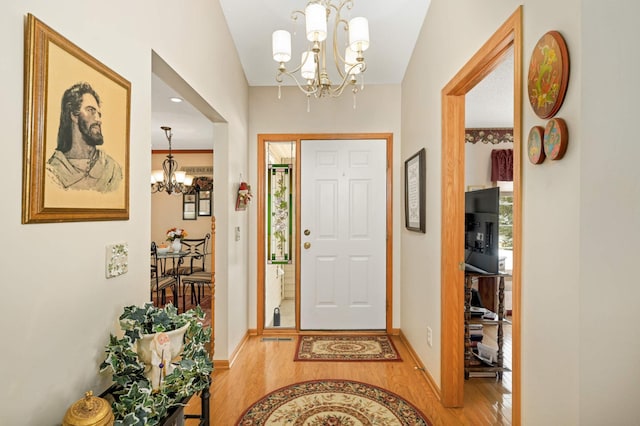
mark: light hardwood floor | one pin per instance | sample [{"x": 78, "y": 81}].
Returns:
[{"x": 263, "y": 366}]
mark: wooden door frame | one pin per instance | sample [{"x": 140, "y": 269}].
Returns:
[
  {"x": 452, "y": 272},
  {"x": 261, "y": 198}
]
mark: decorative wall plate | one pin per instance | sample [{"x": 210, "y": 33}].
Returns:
[
  {"x": 548, "y": 74},
  {"x": 534, "y": 145},
  {"x": 555, "y": 138}
]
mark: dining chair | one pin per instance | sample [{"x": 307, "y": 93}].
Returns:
[
  {"x": 194, "y": 260},
  {"x": 196, "y": 282},
  {"x": 160, "y": 282}
]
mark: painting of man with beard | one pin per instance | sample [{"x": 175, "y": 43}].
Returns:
[{"x": 78, "y": 163}]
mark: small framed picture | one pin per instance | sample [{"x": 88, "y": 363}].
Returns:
[
  {"x": 414, "y": 192},
  {"x": 204, "y": 203},
  {"x": 189, "y": 202}
]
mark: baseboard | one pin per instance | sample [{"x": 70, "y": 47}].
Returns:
[
  {"x": 420, "y": 366},
  {"x": 220, "y": 364},
  {"x": 224, "y": 364}
]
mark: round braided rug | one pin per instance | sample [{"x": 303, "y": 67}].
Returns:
[{"x": 334, "y": 403}]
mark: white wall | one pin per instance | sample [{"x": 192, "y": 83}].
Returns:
[
  {"x": 57, "y": 306},
  {"x": 466, "y": 26},
  {"x": 377, "y": 111},
  {"x": 478, "y": 162},
  {"x": 580, "y": 213},
  {"x": 609, "y": 214}
]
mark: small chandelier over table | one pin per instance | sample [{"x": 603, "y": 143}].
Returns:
[
  {"x": 313, "y": 64},
  {"x": 170, "y": 179}
]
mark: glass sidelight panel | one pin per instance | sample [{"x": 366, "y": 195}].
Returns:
[
  {"x": 280, "y": 269},
  {"x": 279, "y": 214}
]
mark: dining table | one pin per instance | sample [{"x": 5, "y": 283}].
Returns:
[{"x": 177, "y": 259}]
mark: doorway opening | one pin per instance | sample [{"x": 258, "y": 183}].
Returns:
[
  {"x": 279, "y": 233},
  {"x": 280, "y": 269},
  {"x": 195, "y": 125},
  {"x": 490, "y": 55}
]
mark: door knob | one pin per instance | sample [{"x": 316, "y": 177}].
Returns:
[{"x": 307, "y": 245}]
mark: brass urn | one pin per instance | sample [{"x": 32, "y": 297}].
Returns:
[{"x": 89, "y": 411}]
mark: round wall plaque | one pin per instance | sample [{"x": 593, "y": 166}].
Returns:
[
  {"x": 534, "y": 145},
  {"x": 556, "y": 138},
  {"x": 548, "y": 74}
]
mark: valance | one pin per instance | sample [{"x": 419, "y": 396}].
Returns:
[
  {"x": 502, "y": 165},
  {"x": 488, "y": 135}
]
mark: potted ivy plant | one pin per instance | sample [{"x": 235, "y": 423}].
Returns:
[{"x": 136, "y": 399}]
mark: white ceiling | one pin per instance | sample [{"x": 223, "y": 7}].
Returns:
[
  {"x": 393, "y": 27},
  {"x": 190, "y": 128},
  {"x": 490, "y": 102}
]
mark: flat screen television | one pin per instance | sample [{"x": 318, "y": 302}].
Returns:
[{"x": 481, "y": 246}]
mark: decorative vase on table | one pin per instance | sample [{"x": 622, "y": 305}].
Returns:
[{"x": 176, "y": 245}]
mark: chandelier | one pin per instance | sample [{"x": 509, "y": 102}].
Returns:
[
  {"x": 312, "y": 68},
  {"x": 170, "y": 179}
]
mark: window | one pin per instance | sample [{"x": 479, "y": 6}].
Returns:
[
  {"x": 505, "y": 219},
  {"x": 505, "y": 228}
]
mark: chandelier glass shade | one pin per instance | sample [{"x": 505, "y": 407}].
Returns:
[
  {"x": 170, "y": 179},
  {"x": 349, "y": 61}
]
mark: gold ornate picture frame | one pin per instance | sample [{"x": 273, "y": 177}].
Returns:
[{"x": 76, "y": 133}]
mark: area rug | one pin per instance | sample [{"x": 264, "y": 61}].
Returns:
[
  {"x": 334, "y": 403},
  {"x": 346, "y": 348}
]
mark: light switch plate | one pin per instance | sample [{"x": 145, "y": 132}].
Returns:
[{"x": 117, "y": 260}]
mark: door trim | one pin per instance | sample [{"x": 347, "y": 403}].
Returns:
[
  {"x": 452, "y": 202},
  {"x": 261, "y": 230}
]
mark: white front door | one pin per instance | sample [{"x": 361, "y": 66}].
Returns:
[{"x": 343, "y": 225}]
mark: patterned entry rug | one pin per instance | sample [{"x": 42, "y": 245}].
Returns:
[
  {"x": 346, "y": 348},
  {"x": 334, "y": 403}
]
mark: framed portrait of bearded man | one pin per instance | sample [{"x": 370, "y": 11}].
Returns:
[{"x": 76, "y": 133}]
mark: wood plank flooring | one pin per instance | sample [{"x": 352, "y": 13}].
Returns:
[{"x": 263, "y": 366}]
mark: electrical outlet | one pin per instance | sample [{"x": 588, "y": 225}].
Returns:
[{"x": 429, "y": 336}]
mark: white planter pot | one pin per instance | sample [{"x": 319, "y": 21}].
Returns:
[{"x": 157, "y": 351}]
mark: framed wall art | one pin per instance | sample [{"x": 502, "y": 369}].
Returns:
[
  {"x": 204, "y": 187},
  {"x": 76, "y": 133},
  {"x": 548, "y": 74},
  {"x": 556, "y": 138},
  {"x": 189, "y": 202},
  {"x": 414, "y": 192},
  {"x": 204, "y": 203},
  {"x": 535, "y": 150}
]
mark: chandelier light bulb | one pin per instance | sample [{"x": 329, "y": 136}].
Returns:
[
  {"x": 316, "y": 22},
  {"x": 308, "y": 70},
  {"x": 359, "y": 34},
  {"x": 281, "y": 46},
  {"x": 180, "y": 175},
  {"x": 351, "y": 59}
]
